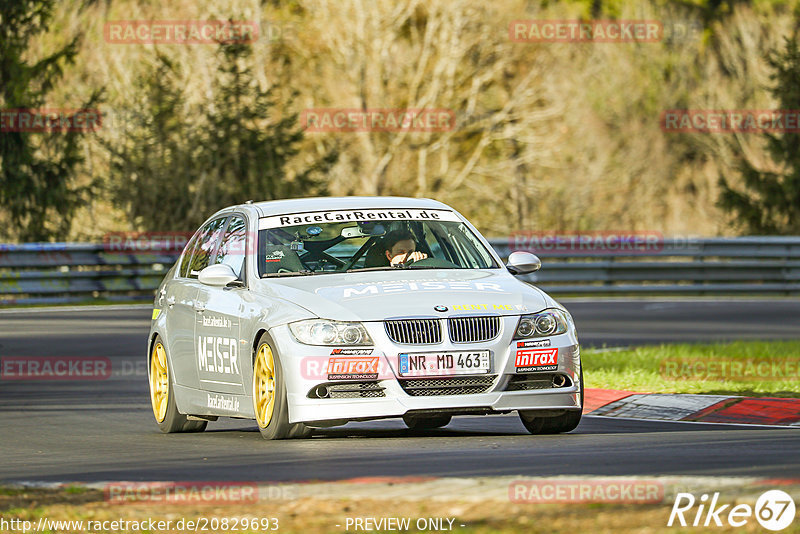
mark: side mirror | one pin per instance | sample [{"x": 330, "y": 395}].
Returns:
[
  {"x": 523, "y": 263},
  {"x": 219, "y": 275}
]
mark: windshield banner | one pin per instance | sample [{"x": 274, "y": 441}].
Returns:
[{"x": 370, "y": 215}]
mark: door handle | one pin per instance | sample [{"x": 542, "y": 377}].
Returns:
[
  {"x": 170, "y": 301},
  {"x": 198, "y": 307}
]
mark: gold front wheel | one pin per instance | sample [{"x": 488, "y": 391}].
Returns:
[
  {"x": 159, "y": 382},
  {"x": 264, "y": 385}
]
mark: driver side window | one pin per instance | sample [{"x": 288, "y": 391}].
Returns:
[
  {"x": 204, "y": 248},
  {"x": 233, "y": 247}
]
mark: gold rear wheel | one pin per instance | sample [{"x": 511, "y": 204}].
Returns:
[
  {"x": 264, "y": 385},
  {"x": 159, "y": 382}
]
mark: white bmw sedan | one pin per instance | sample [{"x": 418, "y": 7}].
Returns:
[{"x": 311, "y": 313}]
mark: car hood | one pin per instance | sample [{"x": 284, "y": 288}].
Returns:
[{"x": 377, "y": 295}]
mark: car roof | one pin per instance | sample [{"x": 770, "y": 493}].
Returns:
[{"x": 300, "y": 205}]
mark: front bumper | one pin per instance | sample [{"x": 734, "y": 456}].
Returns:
[{"x": 305, "y": 369}]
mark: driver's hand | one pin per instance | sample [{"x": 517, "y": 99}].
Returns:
[{"x": 407, "y": 257}]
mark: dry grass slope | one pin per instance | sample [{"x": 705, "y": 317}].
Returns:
[{"x": 561, "y": 136}]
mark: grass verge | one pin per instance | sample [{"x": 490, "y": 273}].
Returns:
[
  {"x": 749, "y": 368},
  {"x": 310, "y": 515}
]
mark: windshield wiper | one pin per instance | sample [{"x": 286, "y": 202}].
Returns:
[
  {"x": 291, "y": 273},
  {"x": 386, "y": 268}
]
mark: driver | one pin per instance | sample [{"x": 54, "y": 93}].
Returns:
[{"x": 400, "y": 247}]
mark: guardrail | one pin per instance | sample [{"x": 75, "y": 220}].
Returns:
[
  {"x": 42, "y": 273},
  {"x": 59, "y": 273},
  {"x": 715, "y": 266}
]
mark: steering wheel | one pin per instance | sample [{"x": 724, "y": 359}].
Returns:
[{"x": 408, "y": 261}]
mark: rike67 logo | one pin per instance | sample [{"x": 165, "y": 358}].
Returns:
[{"x": 774, "y": 510}]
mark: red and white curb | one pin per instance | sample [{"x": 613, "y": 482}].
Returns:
[{"x": 695, "y": 408}]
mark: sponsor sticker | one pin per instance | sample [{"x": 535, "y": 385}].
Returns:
[
  {"x": 382, "y": 288},
  {"x": 216, "y": 322},
  {"x": 223, "y": 402},
  {"x": 274, "y": 256},
  {"x": 530, "y": 360},
  {"x": 316, "y": 217},
  {"x": 533, "y": 343},
  {"x": 351, "y": 352},
  {"x": 218, "y": 355},
  {"x": 353, "y": 368}
]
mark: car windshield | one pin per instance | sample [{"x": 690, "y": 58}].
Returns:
[{"x": 360, "y": 240}]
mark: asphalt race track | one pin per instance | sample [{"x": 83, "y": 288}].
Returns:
[{"x": 103, "y": 430}]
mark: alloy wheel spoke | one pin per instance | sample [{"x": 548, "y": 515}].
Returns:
[{"x": 159, "y": 382}]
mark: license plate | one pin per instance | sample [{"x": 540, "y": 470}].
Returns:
[{"x": 474, "y": 362}]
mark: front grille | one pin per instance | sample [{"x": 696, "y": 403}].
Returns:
[
  {"x": 432, "y": 387},
  {"x": 414, "y": 331},
  {"x": 525, "y": 382},
  {"x": 473, "y": 329}
]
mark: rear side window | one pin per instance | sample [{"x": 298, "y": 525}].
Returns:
[{"x": 204, "y": 247}]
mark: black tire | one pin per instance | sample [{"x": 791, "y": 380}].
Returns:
[
  {"x": 417, "y": 422},
  {"x": 173, "y": 421},
  {"x": 566, "y": 422},
  {"x": 277, "y": 424}
]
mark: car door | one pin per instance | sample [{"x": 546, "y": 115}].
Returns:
[
  {"x": 177, "y": 298},
  {"x": 218, "y": 320},
  {"x": 181, "y": 298}
]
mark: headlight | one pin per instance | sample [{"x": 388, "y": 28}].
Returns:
[
  {"x": 546, "y": 323},
  {"x": 325, "y": 332}
]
